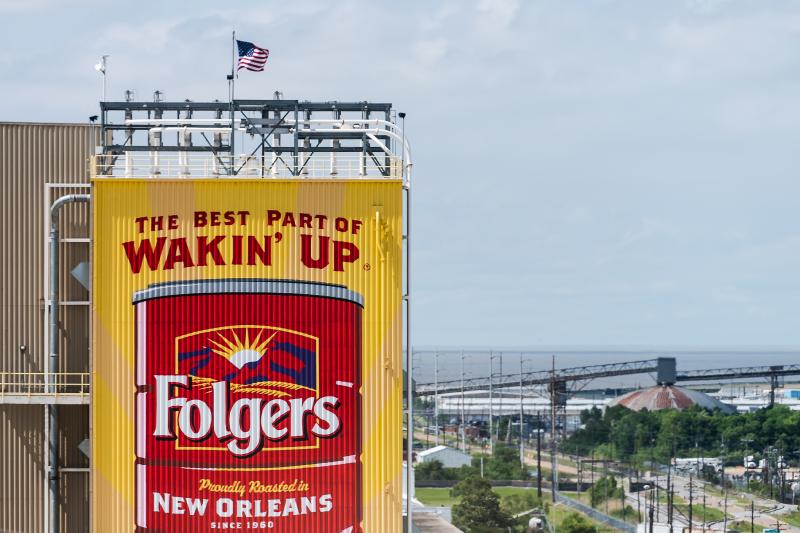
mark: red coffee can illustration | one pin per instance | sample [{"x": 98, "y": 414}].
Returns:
[{"x": 248, "y": 406}]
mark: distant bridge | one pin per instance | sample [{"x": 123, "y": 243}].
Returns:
[{"x": 665, "y": 369}]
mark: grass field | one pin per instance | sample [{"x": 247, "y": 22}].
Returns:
[
  {"x": 508, "y": 491},
  {"x": 436, "y": 497},
  {"x": 744, "y": 526},
  {"x": 712, "y": 514},
  {"x": 711, "y": 490},
  {"x": 629, "y": 514},
  {"x": 560, "y": 512},
  {"x": 614, "y": 504},
  {"x": 582, "y": 497},
  {"x": 791, "y": 518}
]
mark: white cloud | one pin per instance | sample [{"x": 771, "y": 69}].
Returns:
[
  {"x": 706, "y": 7},
  {"x": 734, "y": 48},
  {"x": 499, "y": 14},
  {"x": 430, "y": 52}
]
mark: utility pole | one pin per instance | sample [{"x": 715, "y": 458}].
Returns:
[
  {"x": 605, "y": 485},
  {"x": 658, "y": 499},
  {"x": 553, "y": 448},
  {"x": 622, "y": 494},
  {"x": 725, "y": 510},
  {"x": 638, "y": 502},
  {"x": 773, "y": 384},
  {"x": 724, "y": 485},
  {"x": 521, "y": 419},
  {"x": 491, "y": 402},
  {"x": 669, "y": 493},
  {"x": 539, "y": 454},
  {"x": 497, "y": 426},
  {"x": 436, "y": 395},
  {"x": 752, "y": 516},
  {"x": 691, "y": 501},
  {"x": 704, "y": 509},
  {"x": 670, "y": 483},
  {"x": 463, "y": 426},
  {"x": 592, "y": 498},
  {"x": 428, "y": 431}
]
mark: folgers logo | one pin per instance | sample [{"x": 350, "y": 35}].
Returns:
[
  {"x": 274, "y": 379},
  {"x": 248, "y": 406}
]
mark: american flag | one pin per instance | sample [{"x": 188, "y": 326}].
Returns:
[{"x": 251, "y": 56}]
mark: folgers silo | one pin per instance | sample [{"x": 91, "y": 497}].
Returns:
[{"x": 248, "y": 406}]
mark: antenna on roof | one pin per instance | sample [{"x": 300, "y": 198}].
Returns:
[{"x": 101, "y": 67}]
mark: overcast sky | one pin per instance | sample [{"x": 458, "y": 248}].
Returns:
[{"x": 587, "y": 172}]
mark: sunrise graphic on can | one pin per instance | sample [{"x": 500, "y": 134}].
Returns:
[{"x": 248, "y": 406}]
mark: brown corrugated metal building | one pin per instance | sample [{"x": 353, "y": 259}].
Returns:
[{"x": 38, "y": 162}]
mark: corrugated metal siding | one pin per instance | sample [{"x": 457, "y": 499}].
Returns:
[
  {"x": 21, "y": 467},
  {"x": 74, "y": 486},
  {"x": 32, "y": 155}
]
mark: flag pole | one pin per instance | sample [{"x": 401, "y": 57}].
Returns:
[{"x": 231, "y": 92}]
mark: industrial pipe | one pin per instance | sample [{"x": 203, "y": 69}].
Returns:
[
  {"x": 409, "y": 356},
  {"x": 52, "y": 366}
]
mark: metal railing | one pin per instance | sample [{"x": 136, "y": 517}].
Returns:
[
  {"x": 32, "y": 384},
  {"x": 204, "y": 165}
]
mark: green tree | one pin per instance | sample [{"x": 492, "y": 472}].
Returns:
[
  {"x": 503, "y": 464},
  {"x": 595, "y": 429},
  {"x": 605, "y": 487},
  {"x": 576, "y": 523},
  {"x": 517, "y": 503},
  {"x": 479, "y": 509},
  {"x": 432, "y": 470},
  {"x": 645, "y": 435}
]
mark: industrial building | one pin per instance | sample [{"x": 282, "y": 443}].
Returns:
[
  {"x": 449, "y": 457},
  {"x": 669, "y": 396},
  {"x": 40, "y": 162},
  {"x": 45, "y": 483}
]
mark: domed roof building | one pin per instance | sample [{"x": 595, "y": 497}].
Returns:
[{"x": 669, "y": 396}]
